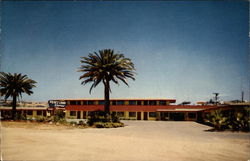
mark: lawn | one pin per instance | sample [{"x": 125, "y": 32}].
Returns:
[{"x": 138, "y": 140}]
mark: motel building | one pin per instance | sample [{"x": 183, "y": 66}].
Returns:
[
  {"x": 28, "y": 109},
  {"x": 132, "y": 109}
]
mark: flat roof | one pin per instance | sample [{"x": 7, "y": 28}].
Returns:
[
  {"x": 23, "y": 108},
  {"x": 118, "y": 99},
  {"x": 179, "y": 110},
  {"x": 237, "y": 104}
]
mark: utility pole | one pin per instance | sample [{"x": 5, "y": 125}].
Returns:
[
  {"x": 242, "y": 96},
  {"x": 241, "y": 88},
  {"x": 216, "y": 98}
]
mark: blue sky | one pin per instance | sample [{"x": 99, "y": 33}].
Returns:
[{"x": 181, "y": 50}]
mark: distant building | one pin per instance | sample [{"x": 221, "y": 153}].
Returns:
[
  {"x": 131, "y": 109},
  {"x": 128, "y": 109},
  {"x": 29, "y": 109}
]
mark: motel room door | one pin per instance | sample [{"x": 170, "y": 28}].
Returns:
[
  {"x": 78, "y": 114},
  {"x": 138, "y": 115},
  {"x": 145, "y": 116}
]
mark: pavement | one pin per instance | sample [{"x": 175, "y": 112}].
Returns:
[{"x": 138, "y": 140}]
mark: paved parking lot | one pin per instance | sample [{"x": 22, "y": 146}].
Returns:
[{"x": 138, "y": 140}]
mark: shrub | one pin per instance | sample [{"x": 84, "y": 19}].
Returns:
[
  {"x": 62, "y": 121},
  {"x": 73, "y": 122},
  {"x": 115, "y": 118},
  {"x": 234, "y": 120},
  {"x": 60, "y": 113},
  {"x": 102, "y": 120},
  {"x": 40, "y": 119},
  {"x": 99, "y": 124},
  {"x": 6, "y": 116},
  {"x": 120, "y": 124},
  {"x": 82, "y": 123},
  {"x": 20, "y": 116},
  {"x": 48, "y": 119},
  {"x": 217, "y": 119},
  {"x": 239, "y": 121},
  {"x": 108, "y": 125},
  {"x": 59, "y": 116},
  {"x": 98, "y": 116}
]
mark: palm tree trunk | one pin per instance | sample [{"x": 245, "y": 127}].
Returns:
[
  {"x": 106, "y": 95},
  {"x": 14, "y": 107}
]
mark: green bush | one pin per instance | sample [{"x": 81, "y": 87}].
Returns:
[
  {"x": 235, "y": 120},
  {"x": 59, "y": 116},
  {"x": 6, "y": 116},
  {"x": 101, "y": 116},
  {"x": 62, "y": 121},
  {"x": 240, "y": 121},
  {"x": 73, "y": 122},
  {"x": 20, "y": 116},
  {"x": 115, "y": 118},
  {"x": 120, "y": 124},
  {"x": 40, "y": 119},
  {"x": 97, "y": 116},
  {"x": 218, "y": 120},
  {"x": 108, "y": 125},
  {"x": 48, "y": 119},
  {"x": 82, "y": 123},
  {"x": 102, "y": 120}
]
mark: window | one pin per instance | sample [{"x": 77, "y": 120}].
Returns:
[
  {"x": 152, "y": 102},
  {"x": 192, "y": 115},
  {"x": 152, "y": 114},
  {"x": 90, "y": 113},
  {"x": 132, "y": 114},
  {"x": 120, "y": 114},
  {"x": 84, "y": 102},
  {"x": 78, "y": 102},
  {"x": 138, "y": 102},
  {"x": 113, "y": 102},
  {"x": 120, "y": 102},
  {"x": 90, "y": 102},
  {"x": 145, "y": 102},
  {"x": 162, "y": 102},
  {"x": 72, "y": 113},
  {"x": 30, "y": 112},
  {"x": 101, "y": 102},
  {"x": 72, "y": 102},
  {"x": 132, "y": 102},
  {"x": 39, "y": 112}
]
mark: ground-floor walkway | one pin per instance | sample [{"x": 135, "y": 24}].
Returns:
[{"x": 139, "y": 140}]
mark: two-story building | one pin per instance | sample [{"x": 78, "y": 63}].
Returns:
[{"x": 132, "y": 109}]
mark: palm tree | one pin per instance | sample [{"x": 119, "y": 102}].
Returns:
[
  {"x": 217, "y": 119},
  {"x": 105, "y": 67},
  {"x": 13, "y": 86}
]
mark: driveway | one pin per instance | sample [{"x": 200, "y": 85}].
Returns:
[{"x": 138, "y": 140}]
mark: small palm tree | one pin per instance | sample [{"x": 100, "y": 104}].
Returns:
[
  {"x": 217, "y": 119},
  {"x": 13, "y": 86},
  {"x": 105, "y": 67}
]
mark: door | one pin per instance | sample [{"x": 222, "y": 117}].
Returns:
[
  {"x": 84, "y": 114},
  {"x": 138, "y": 115},
  {"x": 78, "y": 114},
  {"x": 145, "y": 116}
]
